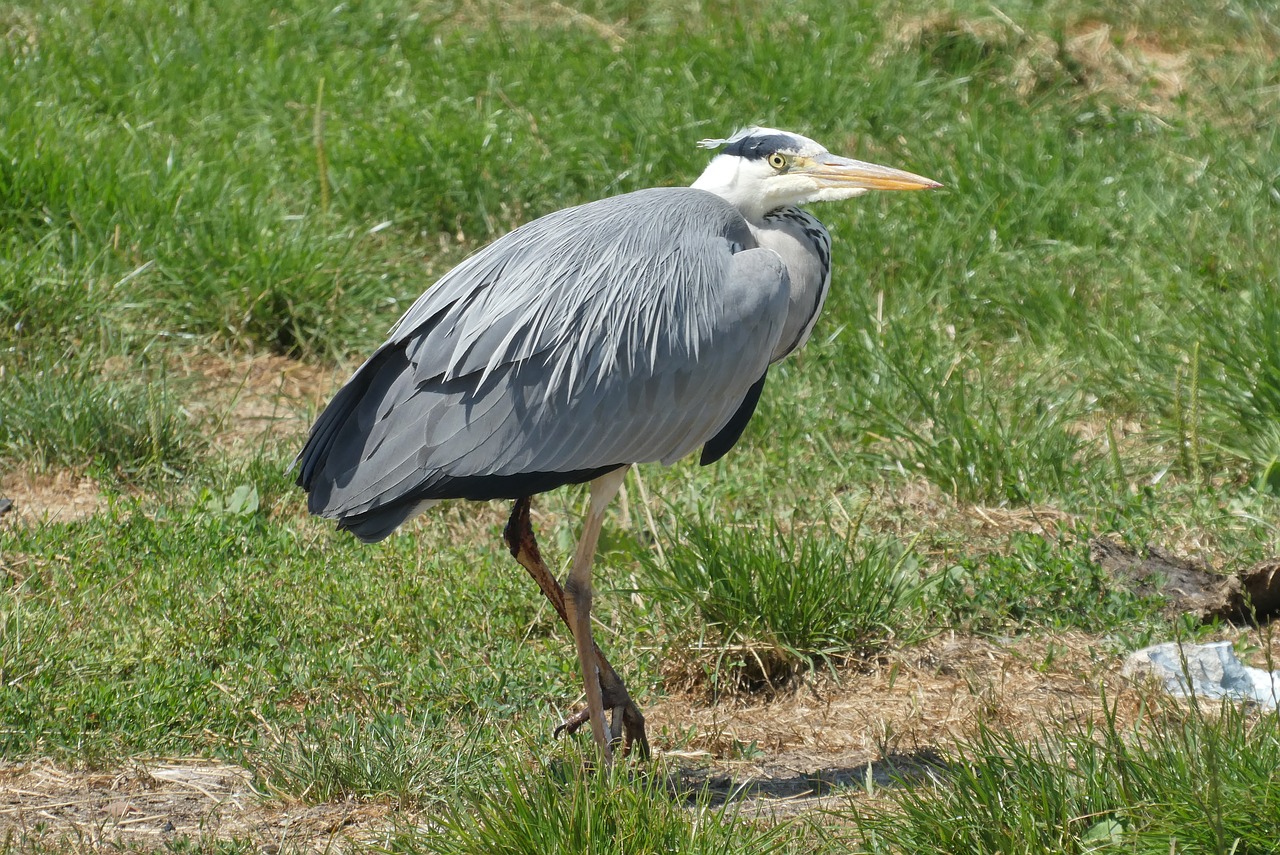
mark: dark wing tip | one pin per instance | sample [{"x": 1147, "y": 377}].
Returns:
[{"x": 718, "y": 446}]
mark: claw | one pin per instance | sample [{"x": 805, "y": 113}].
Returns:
[
  {"x": 571, "y": 724},
  {"x": 627, "y": 728}
]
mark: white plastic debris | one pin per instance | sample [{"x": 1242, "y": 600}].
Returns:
[{"x": 1213, "y": 670}]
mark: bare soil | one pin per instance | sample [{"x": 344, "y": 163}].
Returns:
[
  {"x": 827, "y": 741},
  {"x": 49, "y": 497},
  {"x": 252, "y": 400},
  {"x": 1130, "y": 65}
]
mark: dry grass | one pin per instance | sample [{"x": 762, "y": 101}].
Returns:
[
  {"x": 248, "y": 403},
  {"x": 908, "y": 509},
  {"x": 524, "y": 16},
  {"x": 925, "y": 697},
  {"x": 50, "y": 497},
  {"x": 895, "y": 718},
  {"x": 154, "y": 803}
]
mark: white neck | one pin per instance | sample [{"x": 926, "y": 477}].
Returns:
[{"x": 724, "y": 176}]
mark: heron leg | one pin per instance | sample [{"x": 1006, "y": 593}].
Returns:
[{"x": 627, "y": 720}]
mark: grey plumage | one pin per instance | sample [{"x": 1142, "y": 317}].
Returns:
[
  {"x": 485, "y": 376},
  {"x": 623, "y": 331}
]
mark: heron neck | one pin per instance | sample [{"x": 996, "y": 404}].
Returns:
[
  {"x": 722, "y": 177},
  {"x": 805, "y": 247}
]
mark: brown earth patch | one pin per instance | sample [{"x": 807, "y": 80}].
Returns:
[
  {"x": 919, "y": 508},
  {"x": 154, "y": 804},
  {"x": 252, "y": 400},
  {"x": 924, "y": 697},
  {"x": 50, "y": 497},
  {"x": 1130, "y": 65},
  {"x": 245, "y": 403}
]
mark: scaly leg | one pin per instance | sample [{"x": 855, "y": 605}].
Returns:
[{"x": 627, "y": 722}]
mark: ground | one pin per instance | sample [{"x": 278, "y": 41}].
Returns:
[
  {"x": 825, "y": 740},
  {"x": 209, "y": 214}
]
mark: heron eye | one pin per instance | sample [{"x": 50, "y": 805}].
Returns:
[{"x": 777, "y": 161}]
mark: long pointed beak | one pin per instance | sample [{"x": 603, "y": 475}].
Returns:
[{"x": 835, "y": 171}]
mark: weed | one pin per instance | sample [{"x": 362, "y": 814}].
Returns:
[
  {"x": 1200, "y": 782},
  {"x": 770, "y": 606}
]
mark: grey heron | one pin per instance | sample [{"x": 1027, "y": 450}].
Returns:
[{"x": 632, "y": 329}]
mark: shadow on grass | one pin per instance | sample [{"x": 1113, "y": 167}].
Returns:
[{"x": 777, "y": 780}]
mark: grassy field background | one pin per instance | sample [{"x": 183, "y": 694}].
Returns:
[{"x": 210, "y": 212}]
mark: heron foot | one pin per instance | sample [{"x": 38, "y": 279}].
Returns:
[{"x": 626, "y": 725}]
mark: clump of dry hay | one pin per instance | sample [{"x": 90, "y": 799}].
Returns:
[{"x": 1129, "y": 66}]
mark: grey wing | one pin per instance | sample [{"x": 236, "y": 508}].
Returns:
[{"x": 625, "y": 331}]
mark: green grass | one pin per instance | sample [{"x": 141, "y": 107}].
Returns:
[
  {"x": 1080, "y": 330},
  {"x": 1203, "y": 781},
  {"x": 982, "y": 439},
  {"x": 68, "y": 410},
  {"x": 383, "y": 758},
  {"x": 771, "y": 607},
  {"x": 553, "y": 807},
  {"x": 1032, "y": 582}
]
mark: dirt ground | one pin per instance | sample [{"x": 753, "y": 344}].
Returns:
[
  {"x": 822, "y": 742},
  {"x": 154, "y": 803},
  {"x": 816, "y": 746}
]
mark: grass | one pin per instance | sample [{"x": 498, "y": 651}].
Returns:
[
  {"x": 980, "y": 440},
  {"x": 70, "y": 411},
  {"x": 1201, "y": 781},
  {"x": 1035, "y": 582},
  {"x": 551, "y": 807},
  {"x": 770, "y": 608},
  {"x": 1076, "y": 338},
  {"x": 384, "y": 758}
]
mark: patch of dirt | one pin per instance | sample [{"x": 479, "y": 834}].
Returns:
[
  {"x": 253, "y": 400},
  {"x": 19, "y": 31},
  {"x": 1129, "y": 65},
  {"x": 829, "y": 741},
  {"x": 49, "y": 497},
  {"x": 155, "y": 804},
  {"x": 552, "y": 16},
  {"x": 919, "y": 699},
  {"x": 1128, "y": 62},
  {"x": 1192, "y": 587}
]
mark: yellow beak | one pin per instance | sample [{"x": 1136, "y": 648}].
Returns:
[{"x": 835, "y": 171}]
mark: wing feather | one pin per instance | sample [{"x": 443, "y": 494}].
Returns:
[{"x": 623, "y": 331}]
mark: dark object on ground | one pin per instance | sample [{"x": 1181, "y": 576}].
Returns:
[
  {"x": 6, "y": 505},
  {"x": 1192, "y": 587}
]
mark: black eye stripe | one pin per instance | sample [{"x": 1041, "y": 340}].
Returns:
[{"x": 758, "y": 147}]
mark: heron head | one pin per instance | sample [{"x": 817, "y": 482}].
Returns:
[{"x": 762, "y": 169}]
